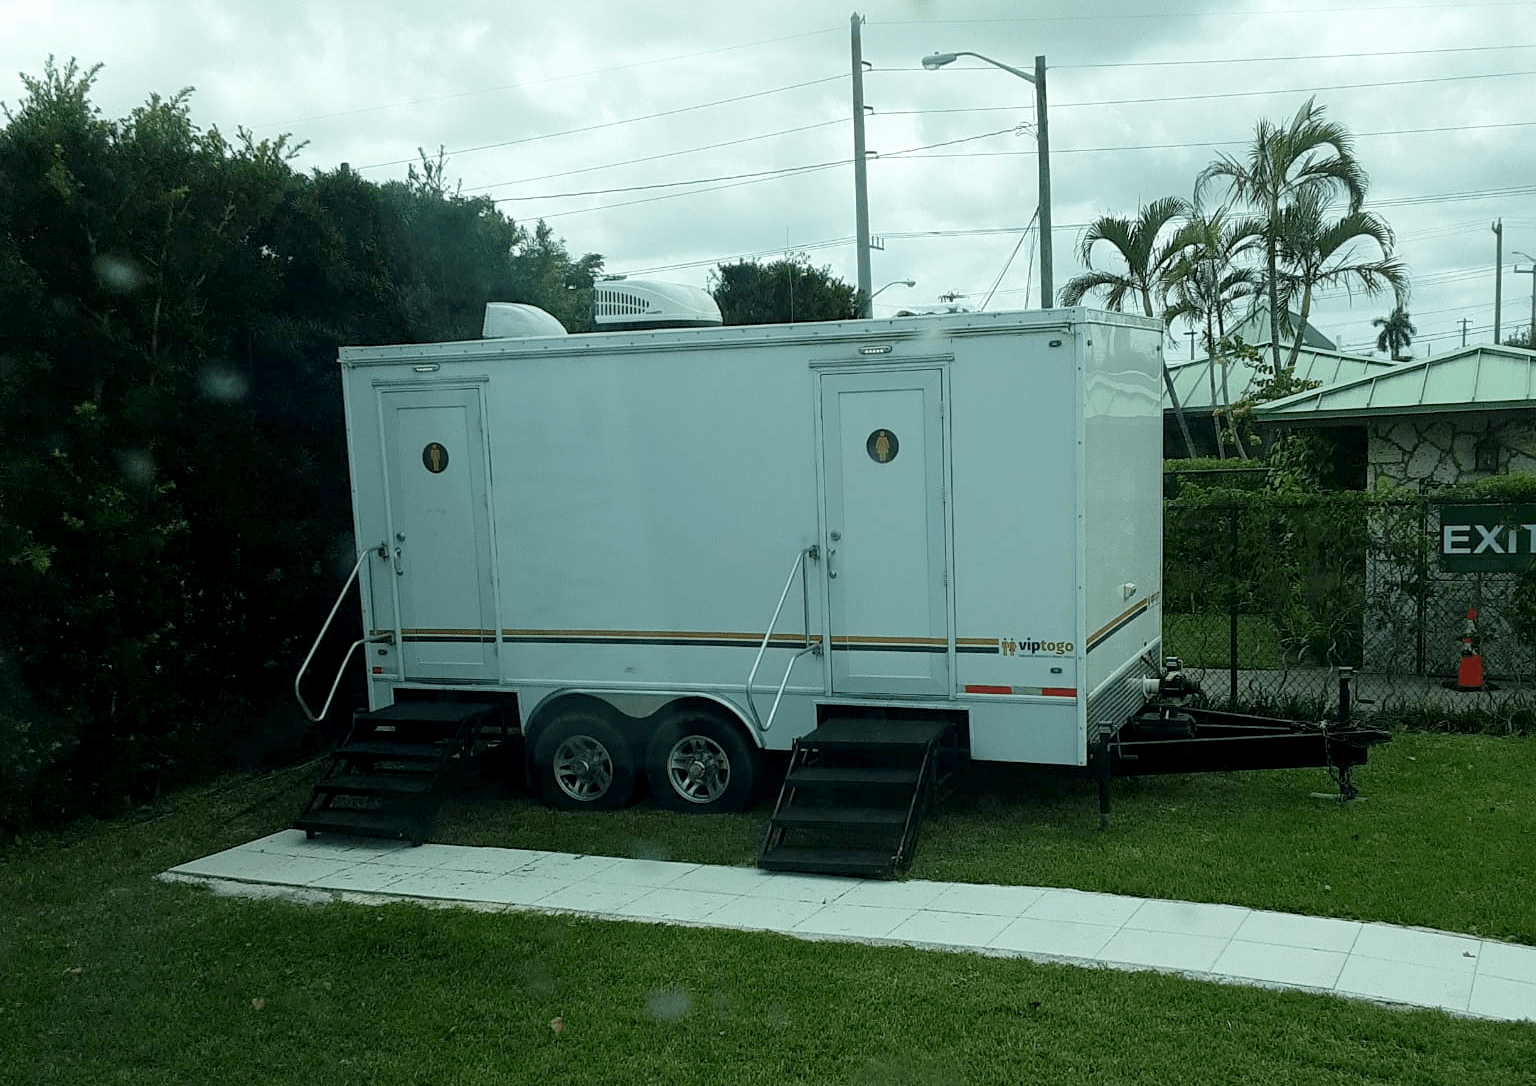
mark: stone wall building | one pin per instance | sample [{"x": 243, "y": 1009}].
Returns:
[{"x": 1429, "y": 425}]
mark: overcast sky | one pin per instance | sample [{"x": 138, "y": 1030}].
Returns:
[{"x": 672, "y": 136}]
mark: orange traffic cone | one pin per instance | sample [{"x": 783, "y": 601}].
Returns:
[{"x": 1469, "y": 671}]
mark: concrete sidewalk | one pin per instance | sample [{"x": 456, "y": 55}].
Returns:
[{"x": 1411, "y": 966}]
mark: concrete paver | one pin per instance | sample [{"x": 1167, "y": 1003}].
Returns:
[{"x": 1416, "y": 967}]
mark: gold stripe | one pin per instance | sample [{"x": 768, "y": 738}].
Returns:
[
  {"x": 699, "y": 635},
  {"x": 674, "y": 634},
  {"x": 1123, "y": 615},
  {"x": 983, "y": 642},
  {"x": 890, "y": 640}
]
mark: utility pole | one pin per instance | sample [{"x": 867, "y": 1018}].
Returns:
[
  {"x": 1464, "y": 323},
  {"x": 1530, "y": 333},
  {"x": 1498, "y": 276},
  {"x": 860, "y": 175},
  {"x": 1043, "y": 146}
]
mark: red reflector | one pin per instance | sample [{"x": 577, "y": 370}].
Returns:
[
  {"x": 989, "y": 689},
  {"x": 1059, "y": 692},
  {"x": 378, "y": 671}
]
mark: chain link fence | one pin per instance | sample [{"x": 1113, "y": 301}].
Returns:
[{"x": 1266, "y": 597}]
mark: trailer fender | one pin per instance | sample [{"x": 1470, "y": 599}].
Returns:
[{"x": 638, "y": 715}]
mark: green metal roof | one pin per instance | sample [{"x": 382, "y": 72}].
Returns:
[
  {"x": 1193, "y": 381},
  {"x": 1484, "y": 378}
]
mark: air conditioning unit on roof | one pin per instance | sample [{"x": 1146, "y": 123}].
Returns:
[{"x": 621, "y": 304}]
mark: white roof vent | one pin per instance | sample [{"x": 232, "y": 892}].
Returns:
[
  {"x": 514, "y": 320},
  {"x": 630, "y": 303}
]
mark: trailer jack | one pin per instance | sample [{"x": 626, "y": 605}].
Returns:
[{"x": 1168, "y": 735}]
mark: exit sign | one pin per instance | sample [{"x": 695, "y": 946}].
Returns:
[{"x": 1487, "y": 538}]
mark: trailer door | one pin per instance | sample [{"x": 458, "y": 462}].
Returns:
[
  {"x": 886, "y": 546},
  {"x": 440, "y": 532}
]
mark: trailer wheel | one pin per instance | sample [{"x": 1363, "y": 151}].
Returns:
[
  {"x": 701, "y": 764},
  {"x": 581, "y": 761}
]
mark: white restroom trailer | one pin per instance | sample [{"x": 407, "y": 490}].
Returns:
[{"x": 660, "y": 552}]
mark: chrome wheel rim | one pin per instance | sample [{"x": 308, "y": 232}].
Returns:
[
  {"x": 583, "y": 768},
  {"x": 698, "y": 769}
]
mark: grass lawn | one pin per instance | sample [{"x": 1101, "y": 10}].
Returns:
[
  {"x": 1205, "y": 641},
  {"x": 109, "y": 976}
]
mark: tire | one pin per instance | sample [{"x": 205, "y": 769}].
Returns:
[
  {"x": 701, "y": 764},
  {"x": 582, "y": 762}
]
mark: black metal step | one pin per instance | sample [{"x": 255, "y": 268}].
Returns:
[
  {"x": 824, "y": 776},
  {"x": 399, "y": 752},
  {"x": 854, "y": 796},
  {"x": 360, "y": 823},
  {"x": 805, "y": 814},
  {"x": 420, "y": 739},
  {"x": 874, "y": 736},
  {"x": 375, "y": 784},
  {"x": 426, "y": 712},
  {"x": 864, "y": 863}
]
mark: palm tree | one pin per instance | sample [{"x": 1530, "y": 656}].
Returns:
[
  {"x": 1317, "y": 252},
  {"x": 1146, "y": 261},
  {"x": 1205, "y": 284},
  {"x": 1136, "y": 243},
  {"x": 1397, "y": 333},
  {"x": 1308, "y": 155}
]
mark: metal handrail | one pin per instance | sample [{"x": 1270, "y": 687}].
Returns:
[
  {"x": 383, "y": 548},
  {"x": 810, "y": 645}
]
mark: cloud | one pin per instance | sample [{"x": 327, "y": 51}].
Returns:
[{"x": 1140, "y": 100}]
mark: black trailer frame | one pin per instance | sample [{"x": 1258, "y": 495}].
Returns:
[{"x": 1169, "y": 736}]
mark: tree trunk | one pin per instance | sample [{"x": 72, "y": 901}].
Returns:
[
  {"x": 1178, "y": 413},
  {"x": 1306, "y": 308},
  {"x": 1210, "y": 362},
  {"x": 1226, "y": 394},
  {"x": 1173, "y": 396},
  {"x": 1272, "y": 261}
]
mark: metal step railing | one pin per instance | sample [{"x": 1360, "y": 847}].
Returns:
[
  {"x": 382, "y": 549},
  {"x": 812, "y": 645}
]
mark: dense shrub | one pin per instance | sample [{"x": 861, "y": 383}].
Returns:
[{"x": 174, "y": 506}]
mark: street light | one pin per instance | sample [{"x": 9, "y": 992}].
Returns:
[
  {"x": 1043, "y": 140},
  {"x": 893, "y": 283},
  {"x": 1530, "y": 341}
]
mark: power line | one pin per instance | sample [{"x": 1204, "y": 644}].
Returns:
[
  {"x": 614, "y": 124},
  {"x": 971, "y": 154},
  {"x": 1225, "y": 95},
  {"x": 663, "y": 155},
  {"x": 759, "y": 175},
  {"x": 550, "y": 79},
  {"x": 1206, "y": 13},
  {"x": 911, "y": 154},
  {"x": 1293, "y": 59},
  {"x": 733, "y": 181}
]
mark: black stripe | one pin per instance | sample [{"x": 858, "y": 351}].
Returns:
[
  {"x": 1117, "y": 627},
  {"x": 451, "y": 638},
  {"x": 862, "y": 646},
  {"x": 716, "y": 642}
]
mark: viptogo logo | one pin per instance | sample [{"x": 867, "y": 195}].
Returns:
[{"x": 1028, "y": 647}]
